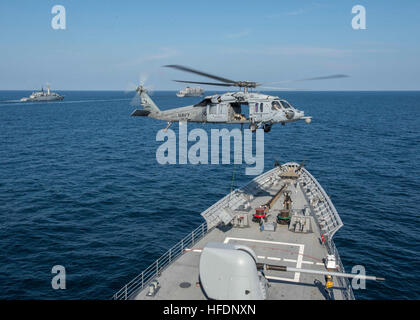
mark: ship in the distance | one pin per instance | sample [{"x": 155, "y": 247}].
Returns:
[
  {"x": 190, "y": 92},
  {"x": 43, "y": 96}
]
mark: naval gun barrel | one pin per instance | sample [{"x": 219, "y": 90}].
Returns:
[
  {"x": 326, "y": 273},
  {"x": 262, "y": 211},
  {"x": 274, "y": 199}
]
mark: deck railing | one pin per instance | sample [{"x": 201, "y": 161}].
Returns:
[
  {"x": 331, "y": 223},
  {"x": 143, "y": 279},
  {"x": 343, "y": 283},
  {"x": 325, "y": 215}
]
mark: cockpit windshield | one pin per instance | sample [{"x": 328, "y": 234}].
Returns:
[
  {"x": 275, "y": 105},
  {"x": 285, "y": 104}
]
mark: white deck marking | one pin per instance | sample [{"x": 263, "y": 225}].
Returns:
[
  {"x": 274, "y": 258},
  {"x": 193, "y": 250},
  {"x": 227, "y": 239},
  {"x": 264, "y": 257},
  {"x": 298, "y": 261},
  {"x": 282, "y": 279}
]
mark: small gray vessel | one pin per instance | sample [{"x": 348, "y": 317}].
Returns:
[
  {"x": 190, "y": 92},
  {"x": 43, "y": 96},
  {"x": 271, "y": 239}
]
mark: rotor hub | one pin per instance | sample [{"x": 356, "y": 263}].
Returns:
[{"x": 246, "y": 84}]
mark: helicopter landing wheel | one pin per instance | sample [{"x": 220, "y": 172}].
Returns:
[
  {"x": 253, "y": 127},
  {"x": 267, "y": 127}
]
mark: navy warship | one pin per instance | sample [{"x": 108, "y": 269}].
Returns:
[
  {"x": 43, "y": 96},
  {"x": 270, "y": 239},
  {"x": 190, "y": 92}
]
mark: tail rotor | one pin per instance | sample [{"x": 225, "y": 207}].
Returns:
[{"x": 139, "y": 89}]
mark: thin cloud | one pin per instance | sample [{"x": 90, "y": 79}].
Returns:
[
  {"x": 163, "y": 54},
  {"x": 168, "y": 53},
  {"x": 289, "y": 13},
  {"x": 303, "y": 51},
  {"x": 298, "y": 11},
  {"x": 299, "y": 50},
  {"x": 237, "y": 35}
]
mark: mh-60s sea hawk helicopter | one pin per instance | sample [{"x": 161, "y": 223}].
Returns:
[{"x": 264, "y": 110}]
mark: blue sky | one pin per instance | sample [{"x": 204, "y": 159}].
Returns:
[{"x": 107, "y": 45}]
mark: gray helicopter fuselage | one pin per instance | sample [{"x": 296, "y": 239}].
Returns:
[{"x": 230, "y": 107}]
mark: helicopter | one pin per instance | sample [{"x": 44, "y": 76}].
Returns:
[{"x": 263, "y": 110}]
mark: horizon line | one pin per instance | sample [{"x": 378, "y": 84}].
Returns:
[{"x": 175, "y": 90}]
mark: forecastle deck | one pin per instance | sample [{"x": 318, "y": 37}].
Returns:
[{"x": 304, "y": 243}]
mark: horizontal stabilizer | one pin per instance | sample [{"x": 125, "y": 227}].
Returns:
[{"x": 140, "y": 113}]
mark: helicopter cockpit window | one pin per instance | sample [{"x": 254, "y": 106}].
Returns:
[
  {"x": 275, "y": 105},
  {"x": 286, "y": 105}
]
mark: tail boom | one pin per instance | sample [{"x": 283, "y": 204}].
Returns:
[{"x": 147, "y": 103}]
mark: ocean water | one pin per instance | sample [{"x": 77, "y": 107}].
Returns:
[{"x": 80, "y": 187}]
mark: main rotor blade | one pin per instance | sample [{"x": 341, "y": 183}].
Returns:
[
  {"x": 204, "y": 74},
  {"x": 333, "y": 76},
  {"x": 280, "y": 89},
  {"x": 208, "y": 83}
]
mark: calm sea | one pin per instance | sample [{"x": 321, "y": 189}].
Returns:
[{"x": 80, "y": 187}]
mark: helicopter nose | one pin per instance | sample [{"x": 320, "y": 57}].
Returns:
[{"x": 299, "y": 114}]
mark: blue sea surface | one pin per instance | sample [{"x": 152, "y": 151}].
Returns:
[{"x": 80, "y": 187}]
